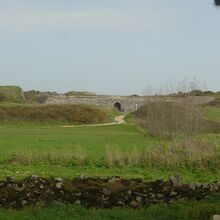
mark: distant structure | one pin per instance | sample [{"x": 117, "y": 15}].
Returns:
[{"x": 121, "y": 103}]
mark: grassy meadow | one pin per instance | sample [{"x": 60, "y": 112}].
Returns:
[{"x": 48, "y": 149}]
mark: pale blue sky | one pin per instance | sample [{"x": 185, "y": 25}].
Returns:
[{"x": 108, "y": 46}]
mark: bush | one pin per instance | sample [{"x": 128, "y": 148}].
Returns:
[
  {"x": 13, "y": 94},
  {"x": 169, "y": 119},
  {"x": 56, "y": 113}
]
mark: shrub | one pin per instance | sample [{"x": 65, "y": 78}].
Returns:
[
  {"x": 13, "y": 94},
  {"x": 56, "y": 113},
  {"x": 169, "y": 119}
]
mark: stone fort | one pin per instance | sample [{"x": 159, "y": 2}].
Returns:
[{"x": 121, "y": 103}]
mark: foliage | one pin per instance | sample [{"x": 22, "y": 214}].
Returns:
[
  {"x": 12, "y": 94},
  {"x": 60, "y": 113},
  {"x": 169, "y": 119}
]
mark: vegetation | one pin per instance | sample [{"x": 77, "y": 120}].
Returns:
[
  {"x": 79, "y": 93},
  {"x": 169, "y": 119},
  {"x": 53, "y": 113},
  {"x": 212, "y": 113},
  {"x": 191, "y": 152},
  {"x": 193, "y": 210},
  {"x": 13, "y": 94}
]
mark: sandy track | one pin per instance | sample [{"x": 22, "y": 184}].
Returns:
[{"x": 118, "y": 120}]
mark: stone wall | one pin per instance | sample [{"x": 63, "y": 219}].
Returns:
[{"x": 127, "y": 103}]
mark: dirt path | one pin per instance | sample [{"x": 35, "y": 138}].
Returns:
[{"x": 118, "y": 120}]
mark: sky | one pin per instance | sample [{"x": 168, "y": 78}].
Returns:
[{"x": 108, "y": 46}]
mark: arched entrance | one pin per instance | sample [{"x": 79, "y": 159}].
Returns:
[{"x": 117, "y": 106}]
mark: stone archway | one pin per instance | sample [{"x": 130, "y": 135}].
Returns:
[{"x": 117, "y": 106}]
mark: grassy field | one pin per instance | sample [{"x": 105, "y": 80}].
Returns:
[
  {"x": 45, "y": 149},
  {"x": 33, "y": 148}
]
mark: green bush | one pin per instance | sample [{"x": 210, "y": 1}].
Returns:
[
  {"x": 57, "y": 113},
  {"x": 12, "y": 94}
]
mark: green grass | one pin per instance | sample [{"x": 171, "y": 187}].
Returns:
[
  {"x": 37, "y": 140},
  {"x": 181, "y": 210},
  {"x": 43, "y": 138},
  {"x": 212, "y": 113}
]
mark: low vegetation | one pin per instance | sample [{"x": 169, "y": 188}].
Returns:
[
  {"x": 80, "y": 93},
  {"x": 169, "y": 119},
  {"x": 190, "y": 153},
  {"x": 184, "y": 210},
  {"x": 53, "y": 113},
  {"x": 12, "y": 94}
]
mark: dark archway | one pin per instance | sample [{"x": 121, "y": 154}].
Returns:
[{"x": 117, "y": 106}]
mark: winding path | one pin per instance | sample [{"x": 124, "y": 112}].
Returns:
[{"x": 118, "y": 121}]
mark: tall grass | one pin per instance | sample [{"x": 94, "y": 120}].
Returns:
[
  {"x": 189, "y": 153},
  {"x": 169, "y": 119},
  {"x": 65, "y": 157}
]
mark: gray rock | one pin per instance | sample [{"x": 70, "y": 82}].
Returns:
[
  {"x": 106, "y": 191},
  {"x": 78, "y": 194},
  {"x": 105, "y": 197},
  {"x": 83, "y": 177},
  {"x": 77, "y": 202},
  {"x": 59, "y": 179},
  {"x": 34, "y": 177},
  {"x": 173, "y": 193},
  {"x": 135, "y": 204},
  {"x": 139, "y": 199},
  {"x": 176, "y": 180},
  {"x": 159, "y": 196},
  {"x": 192, "y": 186},
  {"x": 59, "y": 185}
]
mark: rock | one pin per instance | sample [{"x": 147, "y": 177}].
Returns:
[
  {"x": 106, "y": 191},
  {"x": 139, "y": 199},
  {"x": 129, "y": 192},
  {"x": 23, "y": 202},
  {"x": 77, "y": 202},
  {"x": 152, "y": 195},
  {"x": 58, "y": 179},
  {"x": 83, "y": 177},
  {"x": 78, "y": 194},
  {"x": 216, "y": 217},
  {"x": 198, "y": 185},
  {"x": 34, "y": 177},
  {"x": 105, "y": 197},
  {"x": 41, "y": 186},
  {"x": 59, "y": 185},
  {"x": 192, "y": 186},
  {"x": 159, "y": 196},
  {"x": 120, "y": 203},
  {"x": 135, "y": 204},
  {"x": 114, "y": 179},
  {"x": 176, "y": 180},
  {"x": 173, "y": 193}
]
